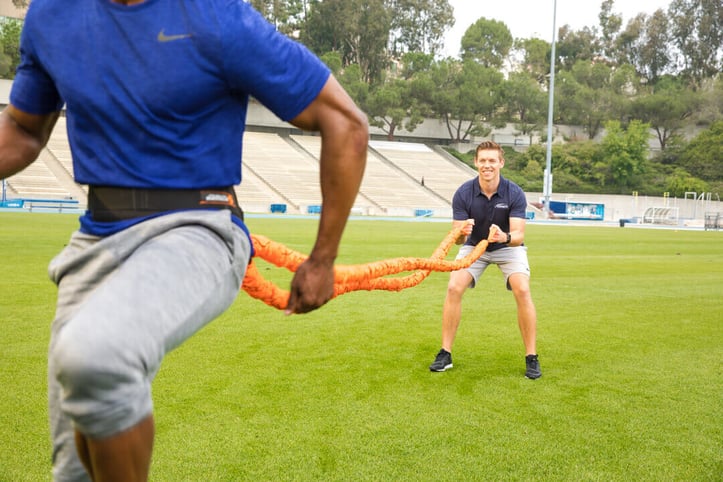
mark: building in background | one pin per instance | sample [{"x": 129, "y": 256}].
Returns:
[{"x": 8, "y": 9}]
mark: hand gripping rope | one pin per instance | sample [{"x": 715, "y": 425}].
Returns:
[{"x": 347, "y": 278}]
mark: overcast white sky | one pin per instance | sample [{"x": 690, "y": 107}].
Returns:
[{"x": 533, "y": 18}]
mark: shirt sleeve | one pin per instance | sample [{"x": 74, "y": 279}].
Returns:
[
  {"x": 518, "y": 205},
  {"x": 279, "y": 72},
  {"x": 460, "y": 210},
  {"x": 33, "y": 90}
]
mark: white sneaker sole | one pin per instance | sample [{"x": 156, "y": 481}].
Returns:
[{"x": 446, "y": 367}]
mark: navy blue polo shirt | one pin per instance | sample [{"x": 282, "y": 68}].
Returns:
[{"x": 469, "y": 202}]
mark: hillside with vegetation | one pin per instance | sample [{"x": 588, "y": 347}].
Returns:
[{"x": 619, "y": 81}]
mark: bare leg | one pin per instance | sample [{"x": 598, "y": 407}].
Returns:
[
  {"x": 81, "y": 444},
  {"x": 452, "y": 311},
  {"x": 526, "y": 313},
  {"x": 124, "y": 457}
]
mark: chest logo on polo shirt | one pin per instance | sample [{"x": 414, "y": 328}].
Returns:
[{"x": 162, "y": 37}]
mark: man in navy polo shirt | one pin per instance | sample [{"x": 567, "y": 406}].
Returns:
[{"x": 485, "y": 202}]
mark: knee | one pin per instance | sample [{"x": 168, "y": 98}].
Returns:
[
  {"x": 104, "y": 391},
  {"x": 455, "y": 289},
  {"x": 520, "y": 290},
  {"x": 80, "y": 362}
]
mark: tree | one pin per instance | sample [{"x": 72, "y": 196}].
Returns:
[
  {"x": 703, "y": 156},
  {"x": 535, "y": 58},
  {"x": 10, "y": 29},
  {"x": 402, "y": 100},
  {"x": 357, "y": 29},
  {"x": 626, "y": 86},
  {"x": 625, "y": 151},
  {"x": 610, "y": 24},
  {"x": 628, "y": 42},
  {"x": 352, "y": 79},
  {"x": 666, "y": 108},
  {"x": 525, "y": 103},
  {"x": 466, "y": 97},
  {"x": 288, "y": 16},
  {"x": 711, "y": 108},
  {"x": 643, "y": 45},
  {"x": 574, "y": 46},
  {"x": 415, "y": 63},
  {"x": 576, "y": 167},
  {"x": 419, "y": 25},
  {"x": 487, "y": 42},
  {"x": 697, "y": 32},
  {"x": 391, "y": 105},
  {"x": 333, "y": 61},
  {"x": 585, "y": 96},
  {"x": 654, "y": 60},
  {"x": 680, "y": 182}
]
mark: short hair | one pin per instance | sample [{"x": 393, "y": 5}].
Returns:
[{"x": 489, "y": 146}]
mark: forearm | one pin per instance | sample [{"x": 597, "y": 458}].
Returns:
[
  {"x": 517, "y": 232},
  {"x": 19, "y": 147},
  {"x": 516, "y": 238},
  {"x": 342, "y": 163}
]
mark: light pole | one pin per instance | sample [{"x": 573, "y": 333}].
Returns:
[{"x": 547, "y": 183}]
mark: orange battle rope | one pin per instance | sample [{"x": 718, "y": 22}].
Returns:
[{"x": 347, "y": 278}]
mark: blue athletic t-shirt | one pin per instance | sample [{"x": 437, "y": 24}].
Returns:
[
  {"x": 469, "y": 202},
  {"x": 156, "y": 93}
]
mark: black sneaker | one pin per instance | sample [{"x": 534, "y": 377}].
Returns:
[
  {"x": 533, "y": 367},
  {"x": 442, "y": 362}
]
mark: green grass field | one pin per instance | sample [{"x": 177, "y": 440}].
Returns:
[{"x": 630, "y": 340}]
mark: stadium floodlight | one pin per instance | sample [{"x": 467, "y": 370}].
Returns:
[{"x": 547, "y": 184}]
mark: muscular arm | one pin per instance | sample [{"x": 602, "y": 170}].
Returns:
[
  {"x": 22, "y": 136},
  {"x": 517, "y": 231},
  {"x": 344, "y": 137}
]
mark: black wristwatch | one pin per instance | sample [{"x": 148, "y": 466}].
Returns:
[{"x": 509, "y": 238}]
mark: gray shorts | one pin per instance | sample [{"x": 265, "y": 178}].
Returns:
[
  {"x": 124, "y": 301},
  {"x": 510, "y": 260}
]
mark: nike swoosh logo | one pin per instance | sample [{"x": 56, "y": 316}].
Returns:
[{"x": 162, "y": 37}]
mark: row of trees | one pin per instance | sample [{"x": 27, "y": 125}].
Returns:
[
  {"x": 658, "y": 71},
  {"x": 619, "y": 164}
]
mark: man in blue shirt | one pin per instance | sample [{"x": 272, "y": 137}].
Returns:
[
  {"x": 155, "y": 94},
  {"x": 490, "y": 203}
]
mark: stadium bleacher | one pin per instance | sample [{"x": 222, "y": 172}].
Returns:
[
  {"x": 37, "y": 181},
  {"x": 283, "y": 170},
  {"x": 440, "y": 175},
  {"x": 60, "y": 148},
  {"x": 387, "y": 188}
]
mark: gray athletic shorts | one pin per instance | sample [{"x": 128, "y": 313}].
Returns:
[
  {"x": 124, "y": 301},
  {"x": 510, "y": 260}
]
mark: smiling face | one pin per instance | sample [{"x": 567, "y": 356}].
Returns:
[{"x": 488, "y": 163}]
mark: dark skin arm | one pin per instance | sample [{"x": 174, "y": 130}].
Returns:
[
  {"x": 344, "y": 132},
  {"x": 22, "y": 137}
]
